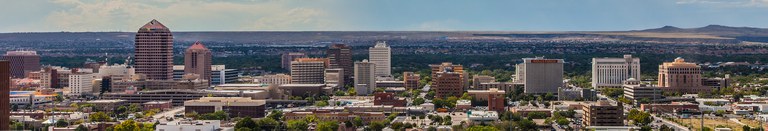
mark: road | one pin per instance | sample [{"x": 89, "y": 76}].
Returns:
[{"x": 169, "y": 113}]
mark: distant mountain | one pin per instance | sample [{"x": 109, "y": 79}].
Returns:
[{"x": 717, "y": 30}]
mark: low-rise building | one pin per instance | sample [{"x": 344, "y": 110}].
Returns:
[
  {"x": 160, "y": 105},
  {"x": 463, "y": 105},
  {"x": 234, "y": 106},
  {"x": 386, "y": 84},
  {"x": 674, "y": 107},
  {"x": 493, "y": 96},
  {"x": 107, "y": 105},
  {"x": 382, "y": 98},
  {"x": 603, "y": 113},
  {"x": 576, "y": 93},
  {"x": 190, "y": 125},
  {"x": 638, "y": 92},
  {"x": 479, "y": 117},
  {"x": 288, "y": 90}
]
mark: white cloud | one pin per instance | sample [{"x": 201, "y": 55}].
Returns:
[{"x": 128, "y": 15}]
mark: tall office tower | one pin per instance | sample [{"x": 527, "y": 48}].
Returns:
[
  {"x": 541, "y": 75},
  {"x": 381, "y": 55},
  {"x": 5, "y": 94},
  {"x": 197, "y": 60},
  {"x": 286, "y": 58},
  {"x": 22, "y": 62},
  {"x": 365, "y": 77},
  {"x": 308, "y": 70},
  {"x": 454, "y": 68},
  {"x": 448, "y": 82},
  {"x": 603, "y": 113},
  {"x": 81, "y": 83},
  {"x": 681, "y": 76},
  {"x": 411, "y": 80},
  {"x": 334, "y": 76},
  {"x": 340, "y": 56},
  {"x": 610, "y": 72},
  {"x": 154, "y": 51}
]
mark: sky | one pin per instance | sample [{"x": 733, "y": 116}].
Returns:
[{"x": 377, "y": 15}]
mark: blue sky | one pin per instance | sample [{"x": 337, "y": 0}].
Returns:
[{"x": 377, "y": 15}]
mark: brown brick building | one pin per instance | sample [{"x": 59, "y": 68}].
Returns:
[
  {"x": 5, "y": 94},
  {"x": 22, "y": 62},
  {"x": 234, "y": 106},
  {"x": 154, "y": 51},
  {"x": 197, "y": 60},
  {"x": 603, "y": 113}
]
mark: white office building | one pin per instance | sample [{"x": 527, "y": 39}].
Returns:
[
  {"x": 190, "y": 125},
  {"x": 381, "y": 55},
  {"x": 541, "y": 75},
  {"x": 81, "y": 83},
  {"x": 610, "y": 72},
  {"x": 365, "y": 79}
]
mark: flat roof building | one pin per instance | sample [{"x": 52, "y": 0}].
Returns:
[
  {"x": 603, "y": 113},
  {"x": 234, "y": 106},
  {"x": 610, "y": 72},
  {"x": 541, "y": 75}
]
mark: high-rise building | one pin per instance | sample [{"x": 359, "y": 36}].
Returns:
[
  {"x": 308, "y": 70},
  {"x": 154, "y": 51},
  {"x": 221, "y": 75},
  {"x": 458, "y": 69},
  {"x": 81, "y": 83},
  {"x": 448, "y": 80},
  {"x": 610, "y": 72},
  {"x": 22, "y": 62},
  {"x": 197, "y": 60},
  {"x": 603, "y": 113},
  {"x": 340, "y": 56},
  {"x": 286, "y": 58},
  {"x": 541, "y": 75},
  {"x": 381, "y": 55},
  {"x": 334, "y": 76},
  {"x": 411, "y": 80},
  {"x": 681, "y": 76},
  {"x": 5, "y": 95},
  {"x": 365, "y": 78}
]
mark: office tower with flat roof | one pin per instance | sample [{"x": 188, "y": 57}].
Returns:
[
  {"x": 365, "y": 78},
  {"x": 381, "y": 55},
  {"x": 340, "y": 56},
  {"x": 5, "y": 94},
  {"x": 681, "y": 76},
  {"x": 22, "y": 62},
  {"x": 286, "y": 58},
  {"x": 610, "y": 72},
  {"x": 448, "y": 80},
  {"x": 308, "y": 70},
  {"x": 197, "y": 60},
  {"x": 81, "y": 83},
  {"x": 154, "y": 51},
  {"x": 411, "y": 80},
  {"x": 334, "y": 76},
  {"x": 541, "y": 75},
  {"x": 458, "y": 69},
  {"x": 603, "y": 113}
]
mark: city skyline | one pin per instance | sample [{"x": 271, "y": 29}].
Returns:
[{"x": 343, "y": 15}]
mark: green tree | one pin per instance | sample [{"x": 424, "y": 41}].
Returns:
[
  {"x": 297, "y": 125},
  {"x": 351, "y": 92},
  {"x": 376, "y": 125},
  {"x": 246, "y": 122},
  {"x": 418, "y": 101},
  {"x": 537, "y": 115},
  {"x": 327, "y": 126},
  {"x": 321, "y": 103},
  {"x": 99, "y": 117},
  {"x": 81, "y": 128},
  {"x": 61, "y": 123},
  {"x": 397, "y": 126},
  {"x": 640, "y": 118},
  {"x": 128, "y": 125},
  {"x": 357, "y": 122},
  {"x": 276, "y": 114},
  {"x": 134, "y": 108},
  {"x": 481, "y": 128},
  {"x": 268, "y": 124}
]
